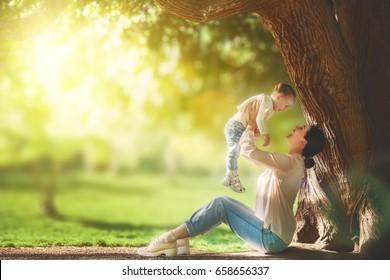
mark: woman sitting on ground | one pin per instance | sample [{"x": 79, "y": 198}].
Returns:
[{"x": 270, "y": 227}]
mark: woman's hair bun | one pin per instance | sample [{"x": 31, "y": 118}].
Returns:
[{"x": 309, "y": 162}]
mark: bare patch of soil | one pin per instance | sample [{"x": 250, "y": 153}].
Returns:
[{"x": 296, "y": 251}]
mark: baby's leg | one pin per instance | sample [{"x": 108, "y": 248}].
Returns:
[{"x": 233, "y": 132}]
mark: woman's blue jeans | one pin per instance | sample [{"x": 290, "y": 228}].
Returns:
[
  {"x": 233, "y": 131},
  {"x": 241, "y": 220}
]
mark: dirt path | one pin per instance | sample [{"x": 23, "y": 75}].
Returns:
[{"x": 296, "y": 251}]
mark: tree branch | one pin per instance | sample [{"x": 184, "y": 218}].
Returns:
[
  {"x": 207, "y": 10},
  {"x": 35, "y": 23}
]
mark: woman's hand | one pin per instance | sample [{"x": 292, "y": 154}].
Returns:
[{"x": 253, "y": 109}]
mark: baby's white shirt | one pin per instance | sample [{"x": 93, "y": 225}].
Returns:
[{"x": 265, "y": 112}]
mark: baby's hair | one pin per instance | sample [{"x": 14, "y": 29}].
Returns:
[{"x": 285, "y": 89}]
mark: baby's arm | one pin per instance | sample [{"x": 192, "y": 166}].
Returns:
[
  {"x": 263, "y": 129},
  {"x": 261, "y": 122},
  {"x": 259, "y": 157},
  {"x": 267, "y": 140}
]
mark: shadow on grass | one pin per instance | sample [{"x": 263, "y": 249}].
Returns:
[
  {"x": 103, "y": 225},
  {"x": 217, "y": 236}
]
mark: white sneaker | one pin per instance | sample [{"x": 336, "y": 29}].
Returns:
[
  {"x": 183, "y": 250},
  {"x": 233, "y": 182},
  {"x": 183, "y": 246},
  {"x": 158, "y": 248}
]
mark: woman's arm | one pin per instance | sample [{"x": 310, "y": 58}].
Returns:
[{"x": 250, "y": 151}]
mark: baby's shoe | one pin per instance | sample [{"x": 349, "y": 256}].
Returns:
[
  {"x": 160, "y": 246},
  {"x": 183, "y": 246},
  {"x": 232, "y": 181}
]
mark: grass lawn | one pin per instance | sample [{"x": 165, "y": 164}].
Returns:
[{"x": 111, "y": 210}]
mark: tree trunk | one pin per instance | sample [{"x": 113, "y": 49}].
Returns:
[
  {"x": 317, "y": 60},
  {"x": 365, "y": 26},
  {"x": 48, "y": 186},
  {"x": 331, "y": 74},
  {"x": 317, "y": 219}
]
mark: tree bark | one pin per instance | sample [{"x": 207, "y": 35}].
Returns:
[
  {"x": 365, "y": 27},
  {"x": 35, "y": 23},
  {"x": 204, "y": 10},
  {"x": 316, "y": 218}
]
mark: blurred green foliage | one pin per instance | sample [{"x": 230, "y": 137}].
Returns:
[
  {"x": 109, "y": 97},
  {"x": 123, "y": 85}
]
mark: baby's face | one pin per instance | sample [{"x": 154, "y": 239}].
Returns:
[{"x": 282, "y": 102}]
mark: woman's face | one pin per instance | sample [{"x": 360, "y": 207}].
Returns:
[{"x": 297, "y": 136}]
